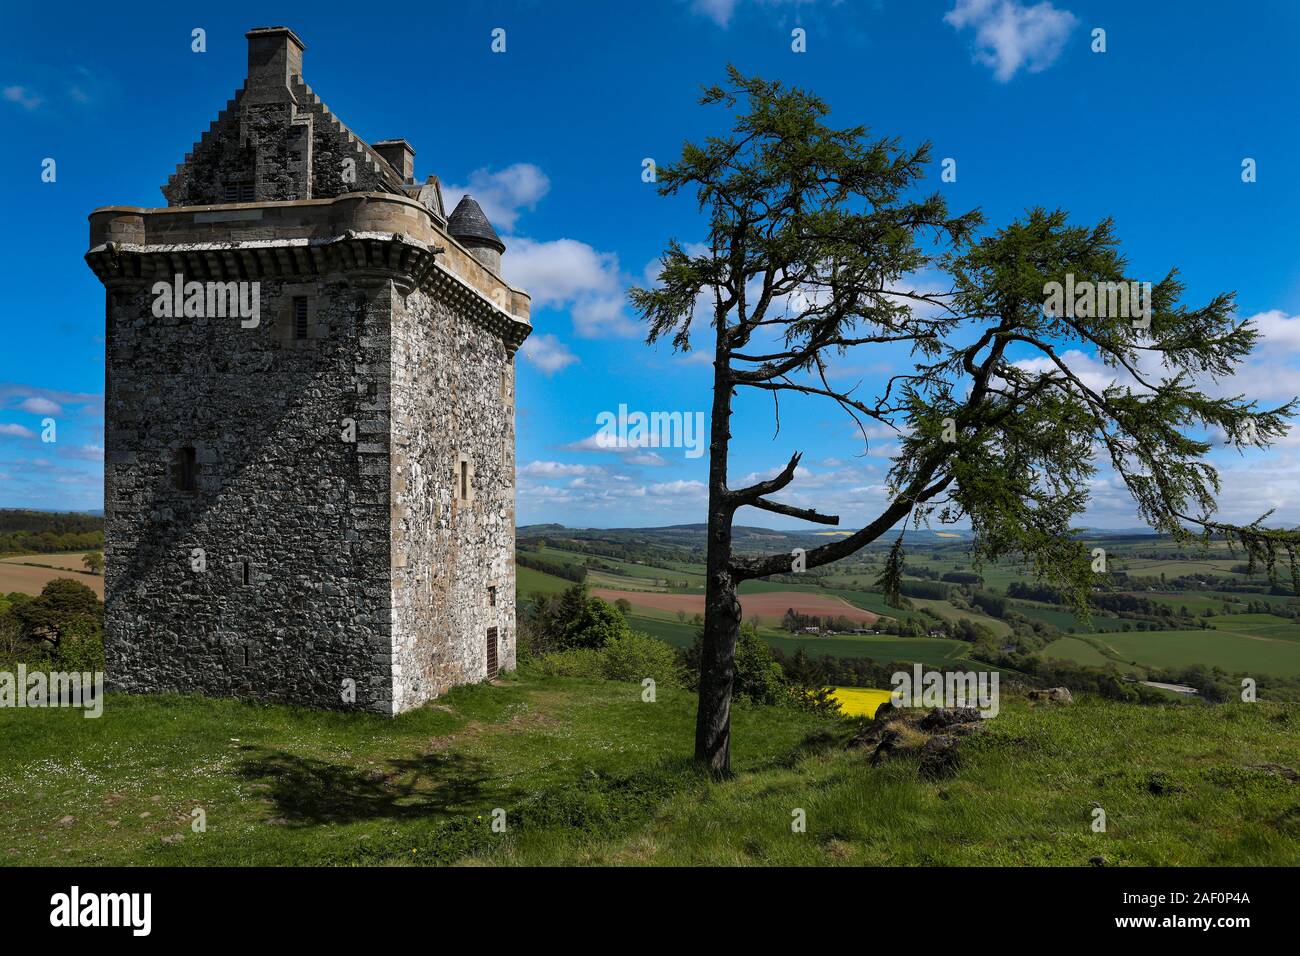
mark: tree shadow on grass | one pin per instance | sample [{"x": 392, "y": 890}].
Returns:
[{"x": 308, "y": 792}]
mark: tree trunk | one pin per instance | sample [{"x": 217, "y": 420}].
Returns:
[{"x": 721, "y": 609}]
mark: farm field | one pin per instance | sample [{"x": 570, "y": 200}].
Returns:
[
  {"x": 949, "y": 612},
  {"x": 1081, "y": 652},
  {"x": 1258, "y": 625},
  {"x": 1237, "y": 643},
  {"x": 16, "y": 574},
  {"x": 930, "y": 651},
  {"x": 671, "y": 632},
  {"x": 1231, "y": 651},
  {"x": 71, "y": 561},
  {"x": 768, "y": 607},
  {"x": 529, "y": 581},
  {"x": 1146, "y": 567},
  {"x": 651, "y": 575},
  {"x": 860, "y": 701},
  {"x": 1064, "y": 620}
]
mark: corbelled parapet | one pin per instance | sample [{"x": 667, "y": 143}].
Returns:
[{"x": 283, "y": 238}]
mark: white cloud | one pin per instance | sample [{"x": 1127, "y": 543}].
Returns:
[
  {"x": 721, "y": 11},
  {"x": 558, "y": 469},
  {"x": 633, "y": 453},
  {"x": 1010, "y": 35},
  {"x": 603, "y": 317},
  {"x": 559, "y": 271},
  {"x": 20, "y": 395},
  {"x": 503, "y": 195},
  {"x": 40, "y": 406},
  {"x": 24, "y": 97},
  {"x": 562, "y": 273},
  {"x": 548, "y": 353},
  {"x": 16, "y": 431},
  {"x": 86, "y": 452},
  {"x": 680, "y": 488}
]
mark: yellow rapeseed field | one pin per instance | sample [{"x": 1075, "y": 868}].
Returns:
[{"x": 859, "y": 701}]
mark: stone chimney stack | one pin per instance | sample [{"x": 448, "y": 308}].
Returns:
[
  {"x": 400, "y": 156},
  {"x": 274, "y": 55}
]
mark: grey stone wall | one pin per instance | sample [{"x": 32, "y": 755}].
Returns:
[
  {"x": 452, "y": 395},
  {"x": 277, "y": 487}
]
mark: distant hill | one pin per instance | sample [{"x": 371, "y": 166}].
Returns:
[
  {"x": 746, "y": 538},
  {"x": 27, "y": 531},
  {"x": 751, "y": 538}
]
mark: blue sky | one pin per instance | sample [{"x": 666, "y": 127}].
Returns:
[{"x": 550, "y": 136}]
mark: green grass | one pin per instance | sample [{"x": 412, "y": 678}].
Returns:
[
  {"x": 1175, "y": 783},
  {"x": 1074, "y": 649},
  {"x": 1258, "y": 625},
  {"x": 529, "y": 581},
  {"x": 1064, "y": 620},
  {"x": 675, "y": 633},
  {"x": 587, "y": 773},
  {"x": 1235, "y": 653},
  {"x": 648, "y": 573},
  {"x": 283, "y": 785},
  {"x": 949, "y": 612}
]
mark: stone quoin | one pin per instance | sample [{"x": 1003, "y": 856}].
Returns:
[{"x": 317, "y": 507}]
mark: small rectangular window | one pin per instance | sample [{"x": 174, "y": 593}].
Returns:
[
  {"x": 492, "y": 597},
  {"x": 248, "y": 576},
  {"x": 300, "y": 317},
  {"x": 239, "y": 192},
  {"x": 187, "y": 470},
  {"x": 464, "y": 479}
]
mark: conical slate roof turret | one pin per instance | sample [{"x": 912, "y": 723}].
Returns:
[{"x": 468, "y": 222}]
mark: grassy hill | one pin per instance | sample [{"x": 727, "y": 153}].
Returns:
[{"x": 588, "y": 773}]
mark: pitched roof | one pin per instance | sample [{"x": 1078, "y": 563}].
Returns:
[{"x": 468, "y": 222}]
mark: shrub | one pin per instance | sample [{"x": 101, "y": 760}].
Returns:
[
  {"x": 758, "y": 676},
  {"x": 638, "y": 656},
  {"x": 570, "y": 619},
  {"x": 575, "y": 662},
  {"x": 597, "y": 624},
  {"x": 632, "y": 657}
]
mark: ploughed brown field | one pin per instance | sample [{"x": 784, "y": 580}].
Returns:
[
  {"x": 769, "y": 606},
  {"x": 16, "y": 576}
]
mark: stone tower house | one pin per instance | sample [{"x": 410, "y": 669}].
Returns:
[{"x": 309, "y": 428}]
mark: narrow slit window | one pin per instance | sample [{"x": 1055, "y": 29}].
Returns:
[
  {"x": 464, "y": 480},
  {"x": 245, "y": 655},
  {"x": 248, "y": 576},
  {"x": 492, "y": 597},
  {"x": 187, "y": 469},
  {"x": 300, "y": 317},
  {"x": 491, "y": 653}
]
